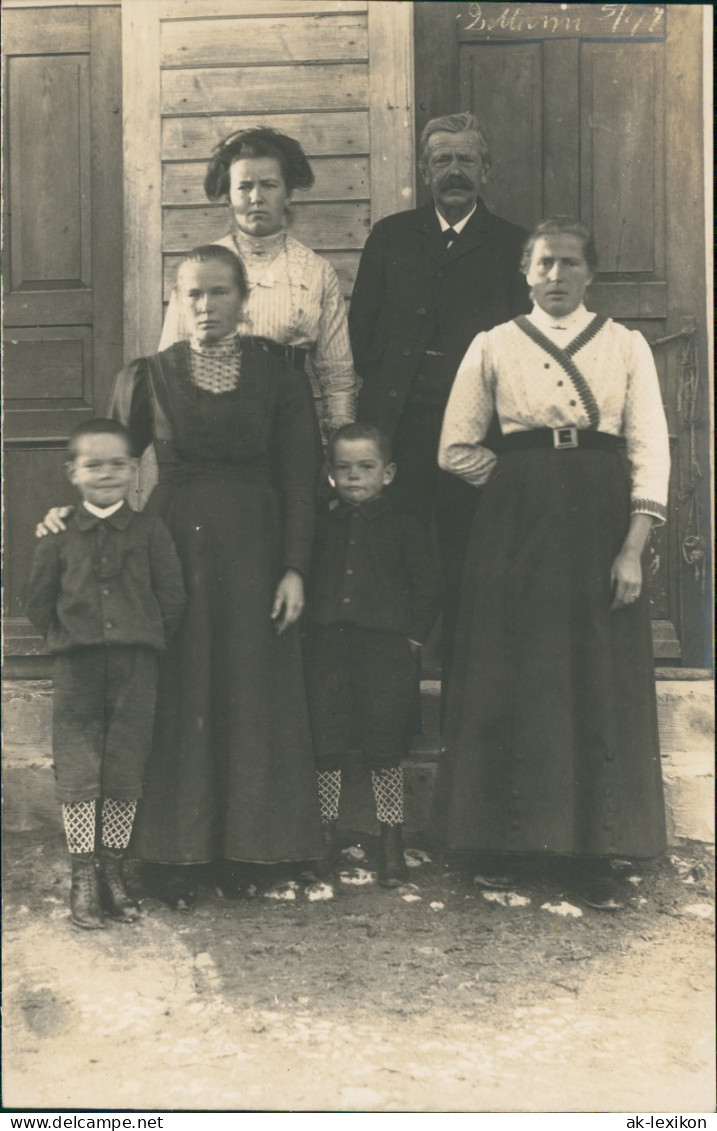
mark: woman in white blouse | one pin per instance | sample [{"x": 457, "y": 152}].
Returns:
[
  {"x": 295, "y": 305},
  {"x": 552, "y": 743}
]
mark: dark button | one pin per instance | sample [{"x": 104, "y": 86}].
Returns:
[
  {"x": 560, "y": 383},
  {"x": 104, "y": 559},
  {"x": 440, "y": 274},
  {"x": 392, "y": 393},
  {"x": 515, "y": 793},
  {"x": 406, "y": 353},
  {"x": 573, "y": 403},
  {"x": 106, "y": 592},
  {"x": 352, "y": 541},
  {"x": 547, "y": 365},
  {"x": 109, "y": 624},
  {"x": 607, "y": 825},
  {"x": 517, "y": 757},
  {"x": 421, "y": 310},
  {"x": 349, "y": 571},
  {"x": 606, "y": 792},
  {"x": 347, "y": 600},
  {"x": 515, "y": 824},
  {"x": 609, "y": 756}
]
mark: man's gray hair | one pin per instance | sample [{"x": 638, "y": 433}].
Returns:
[{"x": 455, "y": 124}]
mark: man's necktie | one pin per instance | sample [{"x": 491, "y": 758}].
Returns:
[{"x": 450, "y": 235}]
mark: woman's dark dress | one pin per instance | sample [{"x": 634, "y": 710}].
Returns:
[{"x": 231, "y": 773}]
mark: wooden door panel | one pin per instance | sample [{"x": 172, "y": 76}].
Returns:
[
  {"x": 62, "y": 269},
  {"x": 49, "y": 171},
  {"x": 505, "y": 83},
  {"x": 622, "y": 155}
]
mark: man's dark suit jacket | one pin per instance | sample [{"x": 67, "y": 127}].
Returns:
[{"x": 410, "y": 292}]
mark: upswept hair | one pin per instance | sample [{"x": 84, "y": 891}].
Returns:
[
  {"x": 561, "y": 225},
  {"x": 97, "y": 426},
  {"x": 455, "y": 124},
  {"x": 360, "y": 431},
  {"x": 217, "y": 253},
  {"x": 260, "y": 141}
]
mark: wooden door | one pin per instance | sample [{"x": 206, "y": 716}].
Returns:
[
  {"x": 596, "y": 111},
  {"x": 62, "y": 263}
]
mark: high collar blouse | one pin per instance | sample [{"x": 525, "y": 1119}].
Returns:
[{"x": 508, "y": 372}]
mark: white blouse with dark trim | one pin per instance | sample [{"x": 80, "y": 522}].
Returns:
[
  {"x": 506, "y": 371},
  {"x": 294, "y": 299}
]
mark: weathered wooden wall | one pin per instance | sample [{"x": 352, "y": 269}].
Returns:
[{"x": 335, "y": 74}]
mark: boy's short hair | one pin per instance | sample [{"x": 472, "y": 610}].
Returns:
[
  {"x": 98, "y": 426},
  {"x": 360, "y": 432}
]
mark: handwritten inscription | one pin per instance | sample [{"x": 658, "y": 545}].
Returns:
[{"x": 603, "y": 21}]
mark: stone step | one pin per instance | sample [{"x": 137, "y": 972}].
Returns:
[{"x": 686, "y": 719}]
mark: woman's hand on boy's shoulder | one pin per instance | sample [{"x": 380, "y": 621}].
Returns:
[{"x": 53, "y": 523}]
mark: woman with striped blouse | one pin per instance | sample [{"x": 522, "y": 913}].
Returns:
[{"x": 295, "y": 306}]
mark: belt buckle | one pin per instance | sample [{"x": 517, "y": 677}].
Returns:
[{"x": 565, "y": 438}]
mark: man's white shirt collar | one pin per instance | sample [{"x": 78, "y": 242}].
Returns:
[
  {"x": 102, "y": 512},
  {"x": 459, "y": 224}
]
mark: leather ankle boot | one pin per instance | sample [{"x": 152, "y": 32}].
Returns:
[
  {"x": 115, "y": 898},
  {"x": 392, "y": 871},
  {"x": 85, "y": 906}
]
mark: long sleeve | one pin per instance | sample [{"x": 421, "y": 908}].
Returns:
[
  {"x": 646, "y": 436},
  {"x": 468, "y": 417},
  {"x": 130, "y": 404},
  {"x": 331, "y": 357},
  {"x": 423, "y": 570},
  {"x": 167, "y": 578},
  {"x": 43, "y": 587},
  {"x": 367, "y": 301},
  {"x": 297, "y": 447}
]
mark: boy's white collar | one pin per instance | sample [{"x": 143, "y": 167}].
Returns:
[{"x": 102, "y": 512}]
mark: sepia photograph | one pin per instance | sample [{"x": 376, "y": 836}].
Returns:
[{"x": 358, "y": 681}]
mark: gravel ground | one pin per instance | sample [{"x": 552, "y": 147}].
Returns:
[{"x": 428, "y": 999}]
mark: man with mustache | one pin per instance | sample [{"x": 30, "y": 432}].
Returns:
[{"x": 429, "y": 280}]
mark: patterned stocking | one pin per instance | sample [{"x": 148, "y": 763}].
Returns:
[
  {"x": 388, "y": 791},
  {"x": 79, "y": 821},
  {"x": 117, "y": 821},
  {"x": 329, "y": 785}
]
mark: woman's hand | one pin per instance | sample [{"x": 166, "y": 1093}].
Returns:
[
  {"x": 626, "y": 578},
  {"x": 52, "y": 522},
  {"x": 288, "y": 600},
  {"x": 626, "y": 572}
]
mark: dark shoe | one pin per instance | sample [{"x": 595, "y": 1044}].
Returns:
[
  {"x": 392, "y": 871},
  {"x": 495, "y": 872},
  {"x": 178, "y": 886},
  {"x": 116, "y": 900},
  {"x": 495, "y": 882},
  {"x": 235, "y": 881},
  {"x": 603, "y": 895},
  {"x": 85, "y": 906}
]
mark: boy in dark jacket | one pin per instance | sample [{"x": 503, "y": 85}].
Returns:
[
  {"x": 373, "y": 598},
  {"x": 107, "y": 594}
]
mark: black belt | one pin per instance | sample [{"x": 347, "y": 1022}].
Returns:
[
  {"x": 295, "y": 355},
  {"x": 561, "y": 439}
]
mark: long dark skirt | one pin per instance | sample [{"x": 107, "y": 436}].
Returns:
[
  {"x": 552, "y": 743},
  {"x": 231, "y": 772}
]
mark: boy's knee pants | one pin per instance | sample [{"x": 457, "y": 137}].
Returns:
[
  {"x": 102, "y": 720},
  {"x": 361, "y": 685}
]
